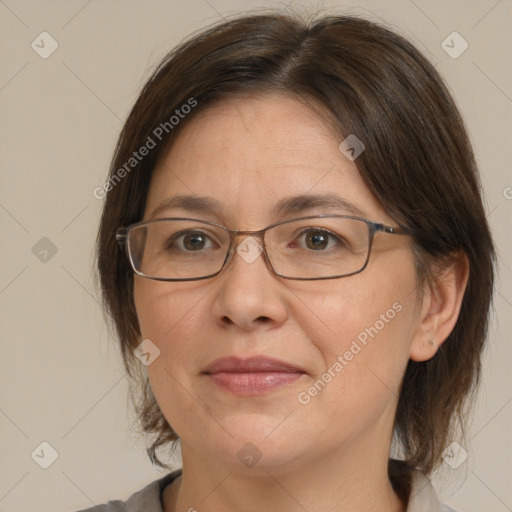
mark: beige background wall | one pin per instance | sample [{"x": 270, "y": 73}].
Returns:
[{"x": 61, "y": 379}]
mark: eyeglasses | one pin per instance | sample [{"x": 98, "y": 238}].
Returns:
[{"x": 306, "y": 248}]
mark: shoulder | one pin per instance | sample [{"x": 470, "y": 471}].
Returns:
[
  {"x": 423, "y": 497},
  {"x": 147, "y": 499}
]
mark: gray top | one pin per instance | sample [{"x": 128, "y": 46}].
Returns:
[{"x": 149, "y": 499}]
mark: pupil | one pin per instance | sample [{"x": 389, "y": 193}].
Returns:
[
  {"x": 317, "y": 241},
  {"x": 194, "y": 241}
]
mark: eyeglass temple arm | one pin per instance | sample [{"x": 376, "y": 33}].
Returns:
[{"x": 394, "y": 231}]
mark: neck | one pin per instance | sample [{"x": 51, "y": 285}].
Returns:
[{"x": 353, "y": 479}]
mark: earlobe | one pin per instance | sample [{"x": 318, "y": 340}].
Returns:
[
  {"x": 423, "y": 348},
  {"x": 440, "y": 308}
]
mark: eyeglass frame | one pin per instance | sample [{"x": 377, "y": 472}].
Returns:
[{"x": 122, "y": 234}]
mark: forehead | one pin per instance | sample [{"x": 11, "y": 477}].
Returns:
[{"x": 250, "y": 152}]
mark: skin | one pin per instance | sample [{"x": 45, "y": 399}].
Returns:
[{"x": 328, "y": 455}]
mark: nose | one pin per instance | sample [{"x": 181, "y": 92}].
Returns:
[{"x": 248, "y": 294}]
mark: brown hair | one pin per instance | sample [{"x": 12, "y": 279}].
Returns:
[{"x": 418, "y": 162}]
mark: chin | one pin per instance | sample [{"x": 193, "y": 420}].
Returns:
[{"x": 255, "y": 445}]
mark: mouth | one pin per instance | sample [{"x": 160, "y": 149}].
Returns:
[{"x": 253, "y": 376}]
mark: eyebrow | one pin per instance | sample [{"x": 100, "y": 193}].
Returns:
[
  {"x": 297, "y": 204},
  {"x": 286, "y": 206}
]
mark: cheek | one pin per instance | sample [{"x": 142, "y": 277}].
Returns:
[
  {"x": 171, "y": 316},
  {"x": 362, "y": 328},
  {"x": 362, "y": 366},
  {"x": 167, "y": 311},
  {"x": 363, "y": 308}
]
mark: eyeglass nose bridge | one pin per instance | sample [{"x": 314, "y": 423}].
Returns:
[{"x": 253, "y": 250}]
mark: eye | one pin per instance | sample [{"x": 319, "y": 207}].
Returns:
[
  {"x": 190, "y": 241},
  {"x": 319, "y": 239}
]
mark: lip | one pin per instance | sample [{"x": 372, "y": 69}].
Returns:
[
  {"x": 252, "y": 376},
  {"x": 251, "y": 364}
]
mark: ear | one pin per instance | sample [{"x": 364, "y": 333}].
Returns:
[{"x": 440, "y": 308}]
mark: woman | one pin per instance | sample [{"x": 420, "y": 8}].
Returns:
[{"x": 294, "y": 248}]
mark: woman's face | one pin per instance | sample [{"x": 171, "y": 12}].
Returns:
[{"x": 350, "y": 336}]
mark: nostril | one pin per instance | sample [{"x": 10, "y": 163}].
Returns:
[{"x": 260, "y": 319}]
